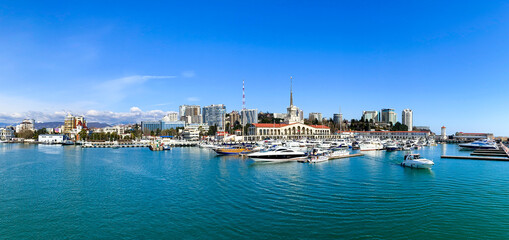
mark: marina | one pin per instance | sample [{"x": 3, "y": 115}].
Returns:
[{"x": 151, "y": 194}]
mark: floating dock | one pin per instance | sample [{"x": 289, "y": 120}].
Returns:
[
  {"x": 500, "y": 154},
  {"x": 347, "y": 156},
  {"x": 477, "y": 158}
]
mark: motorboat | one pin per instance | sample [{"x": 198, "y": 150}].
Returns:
[
  {"x": 317, "y": 159},
  {"x": 392, "y": 146},
  {"x": 481, "y": 144},
  {"x": 370, "y": 146},
  {"x": 232, "y": 150},
  {"x": 280, "y": 154},
  {"x": 415, "y": 161}
]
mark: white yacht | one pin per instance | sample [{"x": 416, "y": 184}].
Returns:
[
  {"x": 415, "y": 161},
  {"x": 297, "y": 146},
  {"x": 370, "y": 146},
  {"x": 280, "y": 154},
  {"x": 481, "y": 144}
]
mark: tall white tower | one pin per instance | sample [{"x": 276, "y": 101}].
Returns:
[
  {"x": 444, "y": 133},
  {"x": 407, "y": 118}
]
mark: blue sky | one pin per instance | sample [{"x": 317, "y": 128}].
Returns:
[{"x": 448, "y": 61}]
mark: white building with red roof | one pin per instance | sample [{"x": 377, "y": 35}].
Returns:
[
  {"x": 285, "y": 130},
  {"x": 293, "y": 127}
]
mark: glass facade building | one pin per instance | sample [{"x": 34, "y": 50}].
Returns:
[
  {"x": 248, "y": 116},
  {"x": 214, "y": 115}
]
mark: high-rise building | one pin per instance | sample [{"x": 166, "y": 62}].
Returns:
[
  {"x": 214, "y": 115},
  {"x": 234, "y": 117},
  {"x": 370, "y": 115},
  {"x": 338, "y": 118},
  {"x": 389, "y": 116},
  {"x": 315, "y": 116},
  {"x": 73, "y": 124},
  {"x": 249, "y": 116},
  {"x": 191, "y": 114},
  {"x": 407, "y": 118},
  {"x": 171, "y": 117}
]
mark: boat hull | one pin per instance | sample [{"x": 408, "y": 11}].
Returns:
[
  {"x": 418, "y": 164},
  {"x": 232, "y": 151},
  {"x": 257, "y": 159}
]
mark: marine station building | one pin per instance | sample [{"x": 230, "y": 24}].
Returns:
[{"x": 292, "y": 128}]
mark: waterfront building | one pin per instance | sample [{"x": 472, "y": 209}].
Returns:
[
  {"x": 389, "y": 116},
  {"x": 292, "y": 128},
  {"x": 171, "y": 117},
  {"x": 286, "y": 131},
  {"x": 202, "y": 127},
  {"x": 27, "y": 124},
  {"x": 191, "y": 134},
  {"x": 370, "y": 115},
  {"x": 315, "y": 116},
  {"x": 389, "y": 134},
  {"x": 250, "y": 116},
  {"x": 52, "y": 138},
  {"x": 407, "y": 118},
  {"x": 214, "y": 115},
  {"x": 73, "y": 125},
  {"x": 301, "y": 115},
  {"x": 6, "y": 134},
  {"x": 148, "y": 126},
  {"x": 118, "y": 129},
  {"x": 191, "y": 114}
]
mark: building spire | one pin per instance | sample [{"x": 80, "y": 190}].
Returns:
[
  {"x": 291, "y": 93},
  {"x": 243, "y": 96}
]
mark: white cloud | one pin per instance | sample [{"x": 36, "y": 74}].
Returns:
[
  {"x": 193, "y": 99},
  {"x": 135, "y": 115}
]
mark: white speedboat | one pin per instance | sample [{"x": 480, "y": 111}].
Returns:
[
  {"x": 317, "y": 159},
  {"x": 280, "y": 154},
  {"x": 370, "y": 146},
  {"x": 415, "y": 161},
  {"x": 481, "y": 144}
]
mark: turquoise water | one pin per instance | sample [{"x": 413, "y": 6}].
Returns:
[{"x": 54, "y": 192}]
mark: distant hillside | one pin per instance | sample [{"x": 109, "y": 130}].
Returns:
[
  {"x": 97, "y": 125},
  {"x": 6, "y": 124},
  {"x": 48, "y": 125}
]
